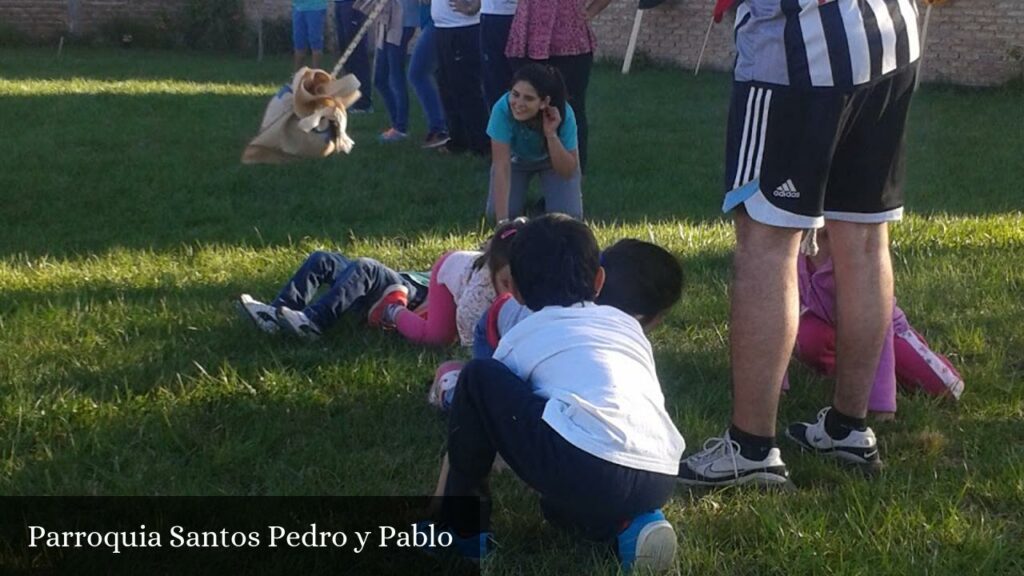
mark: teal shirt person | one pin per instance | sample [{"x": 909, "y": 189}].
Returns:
[
  {"x": 526, "y": 143},
  {"x": 306, "y": 5}
]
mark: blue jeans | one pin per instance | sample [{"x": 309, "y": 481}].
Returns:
[
  {"x": 389, "y": 78},
  {"x": 497, "y": 72},
  {"x": 422, "y": 76},
  {"x": 561, "y": 194},
  {"x": 352, "y": 285},
  {"x": 496, "y": 412},
  {"x": 347, "y": 22}
]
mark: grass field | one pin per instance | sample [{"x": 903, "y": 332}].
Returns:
[{"x": 129, "y": 227}]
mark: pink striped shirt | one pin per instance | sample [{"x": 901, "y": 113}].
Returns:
[{"x": 545, "y": 28}]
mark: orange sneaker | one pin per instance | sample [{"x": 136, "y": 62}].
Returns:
[{"x": 394, "y": 294}]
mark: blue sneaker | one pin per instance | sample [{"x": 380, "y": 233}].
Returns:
[
  {"x": 648, "y": 543},
  {"x": 473, "y": 548}
]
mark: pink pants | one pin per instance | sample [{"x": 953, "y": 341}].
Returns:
[
  {"x": 437, "y": 326},
  {"x": 905, "y": 358}
]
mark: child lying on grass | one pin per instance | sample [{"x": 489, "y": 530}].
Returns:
[{"x": 460, "y": 288}]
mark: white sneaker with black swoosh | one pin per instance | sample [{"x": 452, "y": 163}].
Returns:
[
  {"x": 859, "y": 448},
  {"x": 720, "y": 463}
]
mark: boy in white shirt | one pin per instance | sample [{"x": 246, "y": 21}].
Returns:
[{"x": 572, "y": 403}]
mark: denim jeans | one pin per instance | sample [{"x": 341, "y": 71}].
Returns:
[
  {"x": 389, "y": 77},
  {"x": 496, "y": 412},
  {"x": 561, "y": 194},
  {"x": 423, "y": 77},
  {"x": 458, "y": 53},
  {"x": 497, "y": 72},
  {"x": 353, "y": 285},
  {"x": 347, "y": 22}
]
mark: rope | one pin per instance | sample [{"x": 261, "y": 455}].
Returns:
[{"x": 377, "y": 9}]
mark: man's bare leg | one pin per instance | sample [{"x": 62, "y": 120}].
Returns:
[
  {"x": 864, "y": 293},
  {"x": 763, "y": 320}
]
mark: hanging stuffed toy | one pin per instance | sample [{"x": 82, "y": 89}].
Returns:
[{"x": 305, "y": 119}]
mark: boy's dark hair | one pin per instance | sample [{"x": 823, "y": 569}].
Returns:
[
  {"x": 641, "y": 279},
  {"x": 554, "y": 262}
]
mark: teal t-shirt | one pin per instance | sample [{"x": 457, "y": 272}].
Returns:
[
  {"x": 304, "y": 5},
  {"x": 527, "y": 144}
]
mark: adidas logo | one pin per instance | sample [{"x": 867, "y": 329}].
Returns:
[{"x": 787, "y": 190}]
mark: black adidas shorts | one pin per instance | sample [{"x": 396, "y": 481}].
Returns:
[{"x": 795, "y": 158}]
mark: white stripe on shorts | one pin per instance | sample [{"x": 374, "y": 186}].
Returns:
[
  {"x": 863, "y": 218},
  {"x": 755, "y": 126}
]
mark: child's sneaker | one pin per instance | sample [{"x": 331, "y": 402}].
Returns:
[
  {"x": 436, "y": 139},
  {"x": 474, "y": 548},
  {"x": 648, "y": 543},
  {"x": 394, "y": 294},
  {"x": 720, "y": 463},
  {"x": 296, "y": 322},
  {"x": 443, "y": 389},
  {"x": 392, "y": 135},
  {"x": 859, "y": 448},
  {"x": 264, "y": 316}
]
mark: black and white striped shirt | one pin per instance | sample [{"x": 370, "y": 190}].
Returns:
[{"x": 824, "y": 43}]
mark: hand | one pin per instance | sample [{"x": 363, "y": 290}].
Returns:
[
  {"x": 467, "y": 7},
  {"x": 552, "y": 118}
]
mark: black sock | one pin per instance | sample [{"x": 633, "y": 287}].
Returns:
[
  {"x": 752, "y": 447},
  {"x": 839, "y": 425}
]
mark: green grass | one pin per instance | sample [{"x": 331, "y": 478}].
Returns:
[{"x": 129, "y": 227}]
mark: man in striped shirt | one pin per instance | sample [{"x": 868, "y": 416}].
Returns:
[{"x": 815, "y": 135}]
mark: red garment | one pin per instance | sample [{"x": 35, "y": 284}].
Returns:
[
  {"x": 723, "y": 6},
  {"x": 545, "y": 28}
]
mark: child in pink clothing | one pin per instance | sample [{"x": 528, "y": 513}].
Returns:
[
  {"x": 463, "y": 284},
  {"x": 906, "y": 357}
]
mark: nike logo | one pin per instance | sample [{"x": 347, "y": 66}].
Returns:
[{"x": 870, "y": 455}]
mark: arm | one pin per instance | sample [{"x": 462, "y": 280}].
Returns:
[
  {"x": 501, "y": 162},
  {"x": 595, "y": 7},
  {"x": 467, "y": 7},
  {"x": 563, "y": 161}
]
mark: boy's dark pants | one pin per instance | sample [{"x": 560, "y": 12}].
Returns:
[
  {"x": 494, "y": 411},
  {"x": 458, "y": 56}
]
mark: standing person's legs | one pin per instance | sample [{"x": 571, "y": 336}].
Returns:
[
  {"x": 347, "y": 22},
  {"x": 422, "y": 71},
  {"x": 396, "y": 56},
  {"x": 575, "y": 71},
  {"x": 497, "y": 72},
  {"x": 315, "y": 23},
  {"x": 863, "y": 309},
  {"x": 562, "y": 194},
  {"x": 763, "y": 320},
  {"x": 473, "y": 114},
  {"x": 449, "y": 83},
  {"x": 438, "y": 328},
  {"x": 382, "y": 80},
  {"x": 300, "y": 41}
]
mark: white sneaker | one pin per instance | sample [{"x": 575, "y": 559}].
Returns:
[
  {"x": 298, "y": 323},
  {"x": 859, "y": 448},
  {"x": 262, "y": 315},
  {"x": 720, "y": 463}
]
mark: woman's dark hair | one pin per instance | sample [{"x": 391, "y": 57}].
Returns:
[
  {"x": 641, "y": 279},
  {"x": 554, "y": 262},
  {"x": 496, "y": 250},
  {"x": 548, "y": 83}
]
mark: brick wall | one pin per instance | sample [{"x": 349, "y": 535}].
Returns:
[{"x": 974, "y": 42}]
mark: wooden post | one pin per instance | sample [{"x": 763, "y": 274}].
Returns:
[
  {"x": 704, "y": 46},
  {"x": 631, "y": 46},
  {"x": 924, "y": 40}
]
